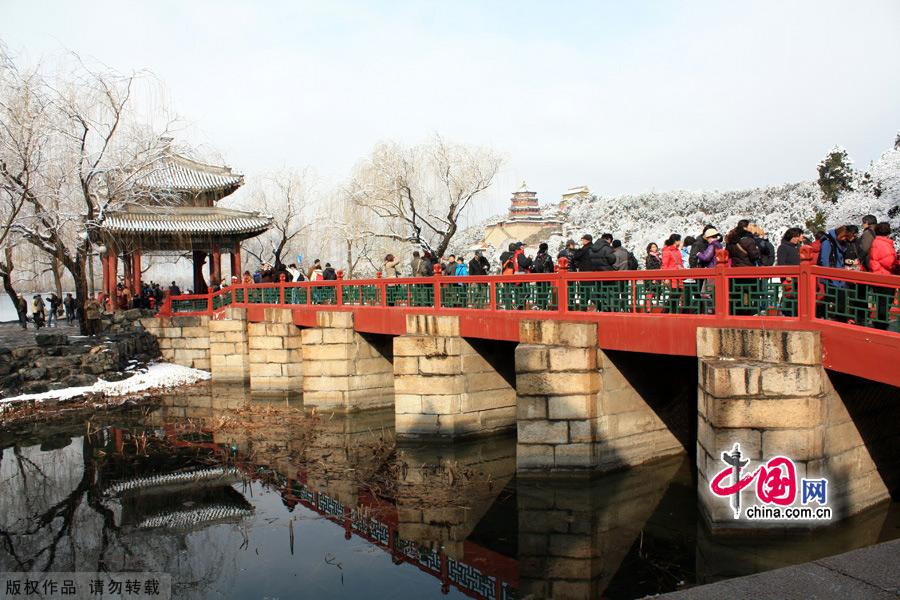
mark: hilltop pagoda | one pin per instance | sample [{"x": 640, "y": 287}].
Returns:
[
  {"x": 187, "y": 221},
  {"x": 524, "y": 222}
]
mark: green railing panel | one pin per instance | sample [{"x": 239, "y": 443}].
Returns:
[
  {"x": 859, "y": 304},
  {"x": 421, "y": 294},
  {"x": 359, "y": 295},
  {"x": 766, "y": 297},
  {"x": 466, "y": 295},
  {"x": 223, "y": 299},
  {"x": 271, "y": 295},
  {"x": 528, "y": 295},
  {"x": 295, "y": 295},
  {"x": 323, "y": 294},
  {"x": 239, "y": 295},
  {"x": 397, "y": 295},
  {"x": 601, "y": 296},
  {"x": 695, "y": 297},
  {"x": 197, "y": 305}
]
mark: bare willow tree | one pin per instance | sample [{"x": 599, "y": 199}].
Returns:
[
  {"x": 73, "y": 151},
  {"x": 349, "y": 230},
  {"x": 419, "y": 193},
  {"x": 288, "y": 197}
]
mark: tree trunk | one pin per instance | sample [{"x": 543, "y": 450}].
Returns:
[
  {"x": 56, "y": 268},
  {"x": 349, "y": 260},
  {"x": 6, "y": 270},
  {"x": 79, "y": 275}
]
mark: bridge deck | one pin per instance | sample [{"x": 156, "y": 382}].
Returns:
[{"x": 658, "y": 312}]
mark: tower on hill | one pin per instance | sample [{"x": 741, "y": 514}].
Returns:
[{"x": 525, "y": 223}]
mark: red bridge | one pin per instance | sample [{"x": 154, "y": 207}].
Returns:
[{"x": 655, "y": 312}]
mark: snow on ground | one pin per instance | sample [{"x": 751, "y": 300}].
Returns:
[{"x": 157, "y": 375}]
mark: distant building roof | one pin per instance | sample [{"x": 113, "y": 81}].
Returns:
[
  {"x": 523, "y": 189},
  {"x": 579, "y": 189},
  {"x": 183, "y": 220},
  {"x": 179, "y": 173}
]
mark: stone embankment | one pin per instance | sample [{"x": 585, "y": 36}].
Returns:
[{"x": 58, "y": 361}]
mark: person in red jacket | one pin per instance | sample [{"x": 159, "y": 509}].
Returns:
[
  {"x": 882, "y": 254},
  {"x": 883, "y": 260},
  {"x": 671, "y": 254}
]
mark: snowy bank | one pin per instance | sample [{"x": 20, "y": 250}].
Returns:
[{"x": 157, "y": 375}]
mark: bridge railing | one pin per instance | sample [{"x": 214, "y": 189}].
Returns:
[{"x": 801, "y": 293}]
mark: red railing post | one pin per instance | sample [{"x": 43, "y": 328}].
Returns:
[
  {"x": 209, "y": 302},
  {"x": 437, "y": 286},
  {"x": 281, "y": 282},
  {"x": 805, "y": 291},
  {"x": 721, "y": 287},
  {"x": 562, "y": 284}
]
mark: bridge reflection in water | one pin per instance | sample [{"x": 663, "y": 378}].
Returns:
[
  {"x": 178, "y": 490},
  {"x": 457, "y": 513}
]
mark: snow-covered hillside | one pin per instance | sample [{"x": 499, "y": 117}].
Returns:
[{"x": 650, "y": 217}]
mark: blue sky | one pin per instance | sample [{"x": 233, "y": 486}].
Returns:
[{"x": 622, "y": 96}]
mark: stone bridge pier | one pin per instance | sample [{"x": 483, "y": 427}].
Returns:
[
  {"x": 767, "y": 391},
  {"x": 577, "y": 413},
  {"x": 445, "y": 386},
  {"x": 343, "y": 369}
]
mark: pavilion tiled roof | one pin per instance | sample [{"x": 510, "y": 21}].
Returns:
[
  {"x": 183, "y": 220},
  {"x": 178, "y": 173}
]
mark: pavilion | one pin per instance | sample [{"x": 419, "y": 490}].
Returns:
[{"x": 188, "y": 221}]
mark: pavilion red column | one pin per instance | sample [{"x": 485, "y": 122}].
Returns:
[
  {"x": 112, "y": 259},
  {"x": 215, "y": 266},
  {"x": 136, "y": 271},
  {"x": 199, "y": 281},
  {"x": 236, "y": 261}
]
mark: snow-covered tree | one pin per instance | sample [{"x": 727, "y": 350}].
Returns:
[
  {"x": 835, "y": 174},
  {"x": 73, "y": 149},
  {"x": 419, "y": 193},
  {"x": 289, "y": 197}
]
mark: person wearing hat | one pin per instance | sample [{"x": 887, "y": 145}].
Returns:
[
  {"x": 479, "y": 265},
  {"x": 568, "y": 251},
  {"x": 699, "y": 246}
]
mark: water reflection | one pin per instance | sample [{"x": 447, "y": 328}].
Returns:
[{"x": 243, "y": 496}]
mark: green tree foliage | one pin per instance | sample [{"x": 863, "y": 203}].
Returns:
[{"x": 835, "y": 174}]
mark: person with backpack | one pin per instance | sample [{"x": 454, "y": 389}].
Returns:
[
  {"x": 543, "y": 262},
  {"x": 507, "y": 260},
  {"x": 568, "y": 252},
  {"x": 328, "y": 273}
]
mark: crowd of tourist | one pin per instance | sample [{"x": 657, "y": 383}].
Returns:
[{"x": 865, "y": 248}]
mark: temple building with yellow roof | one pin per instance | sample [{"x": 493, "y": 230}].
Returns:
[{"x": 524, "y": 223}]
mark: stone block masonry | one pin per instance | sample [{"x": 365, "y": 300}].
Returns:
[
  {"x": 275, "y": 355},
  {"x": 182, "y": 340},
  {"x": 768, "y": 391},
  {"x": 343, "y": 369},
  {"x": 444, "y": 387},
  {"x": 229, "y": 358},
  {"x": 577, "y": 413}
]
